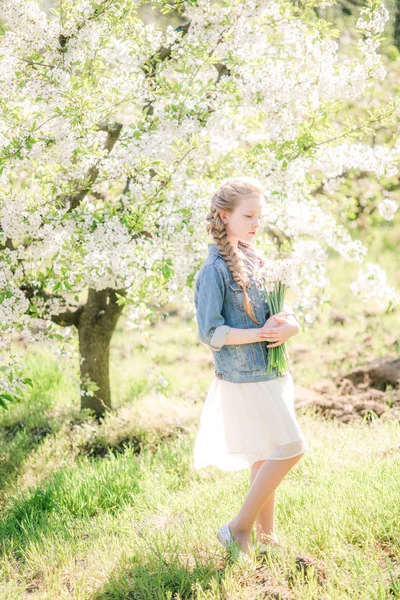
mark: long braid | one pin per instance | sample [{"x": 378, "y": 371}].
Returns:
[{"x": 227, "y": 197}]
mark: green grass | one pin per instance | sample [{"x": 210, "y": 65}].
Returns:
[
  {"x": 142, "y": 525},
  {"x": 117, "y": 511}
]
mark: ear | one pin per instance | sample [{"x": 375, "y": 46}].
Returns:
[{"x": 222, "y": 214}]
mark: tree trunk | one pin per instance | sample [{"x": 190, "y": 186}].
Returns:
[
  {"x": 96, "y": 326},
  {"x": 396, "y": 28}
]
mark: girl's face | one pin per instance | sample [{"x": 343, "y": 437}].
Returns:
[{"x": 243, "y": 222}]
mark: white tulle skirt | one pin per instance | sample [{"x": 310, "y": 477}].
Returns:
[{"x": 245, "y": 422}]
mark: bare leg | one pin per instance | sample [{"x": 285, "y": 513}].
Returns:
[
  {"x": 265, "y": 518},
  {"x": 266, "y": 481}
]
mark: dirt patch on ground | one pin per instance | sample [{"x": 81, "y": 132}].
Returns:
[{"x": 366, "y": 392}]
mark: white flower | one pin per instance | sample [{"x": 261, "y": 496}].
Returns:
[
  {"x": 371, "y": 283},
  {"x": 387, "y": 208}
]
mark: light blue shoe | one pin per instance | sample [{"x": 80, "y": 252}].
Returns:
[{"x": 224, "y": 536}]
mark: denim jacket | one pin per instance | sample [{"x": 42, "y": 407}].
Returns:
[{"x": 219, "y": 306}]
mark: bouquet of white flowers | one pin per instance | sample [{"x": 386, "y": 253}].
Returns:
[{"x": 277, "y": 276}]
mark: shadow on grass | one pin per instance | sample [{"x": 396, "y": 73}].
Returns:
[
  {"x": 185, "y": 576},
  {"x": 179, "y": 577},
  {"x": 48, "y": 511},
  {"x": 25, "y": 425}
]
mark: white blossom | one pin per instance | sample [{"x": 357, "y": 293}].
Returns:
[
  {"x": 387, "y": 208},
  {"x": 63, "y": 80}
]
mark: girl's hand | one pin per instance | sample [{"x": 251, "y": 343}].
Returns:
[
  {"x": 273, "y": 321},
  {"x": 279, "y": 333}
]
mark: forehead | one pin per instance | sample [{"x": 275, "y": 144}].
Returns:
[{"x": 251, "y": 204}]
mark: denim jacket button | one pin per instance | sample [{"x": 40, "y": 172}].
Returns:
[{"x": 219, "y": 375}]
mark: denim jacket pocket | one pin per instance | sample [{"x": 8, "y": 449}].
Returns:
[
  {"x": 237, "y": 295},
  {"x": 235, "y": 286},
  {"x": 257, "y": 300}
]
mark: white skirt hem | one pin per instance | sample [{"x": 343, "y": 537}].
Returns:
[
  {"x": 242, "y": 423},
  {"x": 239, "y": 462}
]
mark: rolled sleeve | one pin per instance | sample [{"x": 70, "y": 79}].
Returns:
[
  {"x": 219, "y": 336},
  {"x": 209, "y": 300}
]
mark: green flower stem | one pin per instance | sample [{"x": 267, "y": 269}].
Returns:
[{"x": 278, "y": 357}]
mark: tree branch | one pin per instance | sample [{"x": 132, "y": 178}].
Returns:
[
  {"x": 67, "y": 318},
  {"x": 113, "y": 130}
]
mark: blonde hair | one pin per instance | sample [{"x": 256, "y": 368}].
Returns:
[{"x": 227, "y": 197}]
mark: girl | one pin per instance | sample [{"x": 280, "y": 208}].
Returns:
[{"x": 248, "y": 417}]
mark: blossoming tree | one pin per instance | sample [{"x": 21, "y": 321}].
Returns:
[{"x": 113, "y": 133}]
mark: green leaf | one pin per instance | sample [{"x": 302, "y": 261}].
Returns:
[
  {"x": 6, "y": 294},
  {"x": 3, "y": 404}
]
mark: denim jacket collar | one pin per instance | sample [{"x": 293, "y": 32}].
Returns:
[
  {"x": 213, "y": 248},
  {"x": 214, "y": 251}
]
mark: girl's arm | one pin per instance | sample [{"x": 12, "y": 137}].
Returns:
[
  {"x": 244, "y": 336},
  {"x": 212, "y": 329},
  {"x": 257, "y": 334},
  {"x": 209, "y": 299},
  {"x": 288, "y": 310}
]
